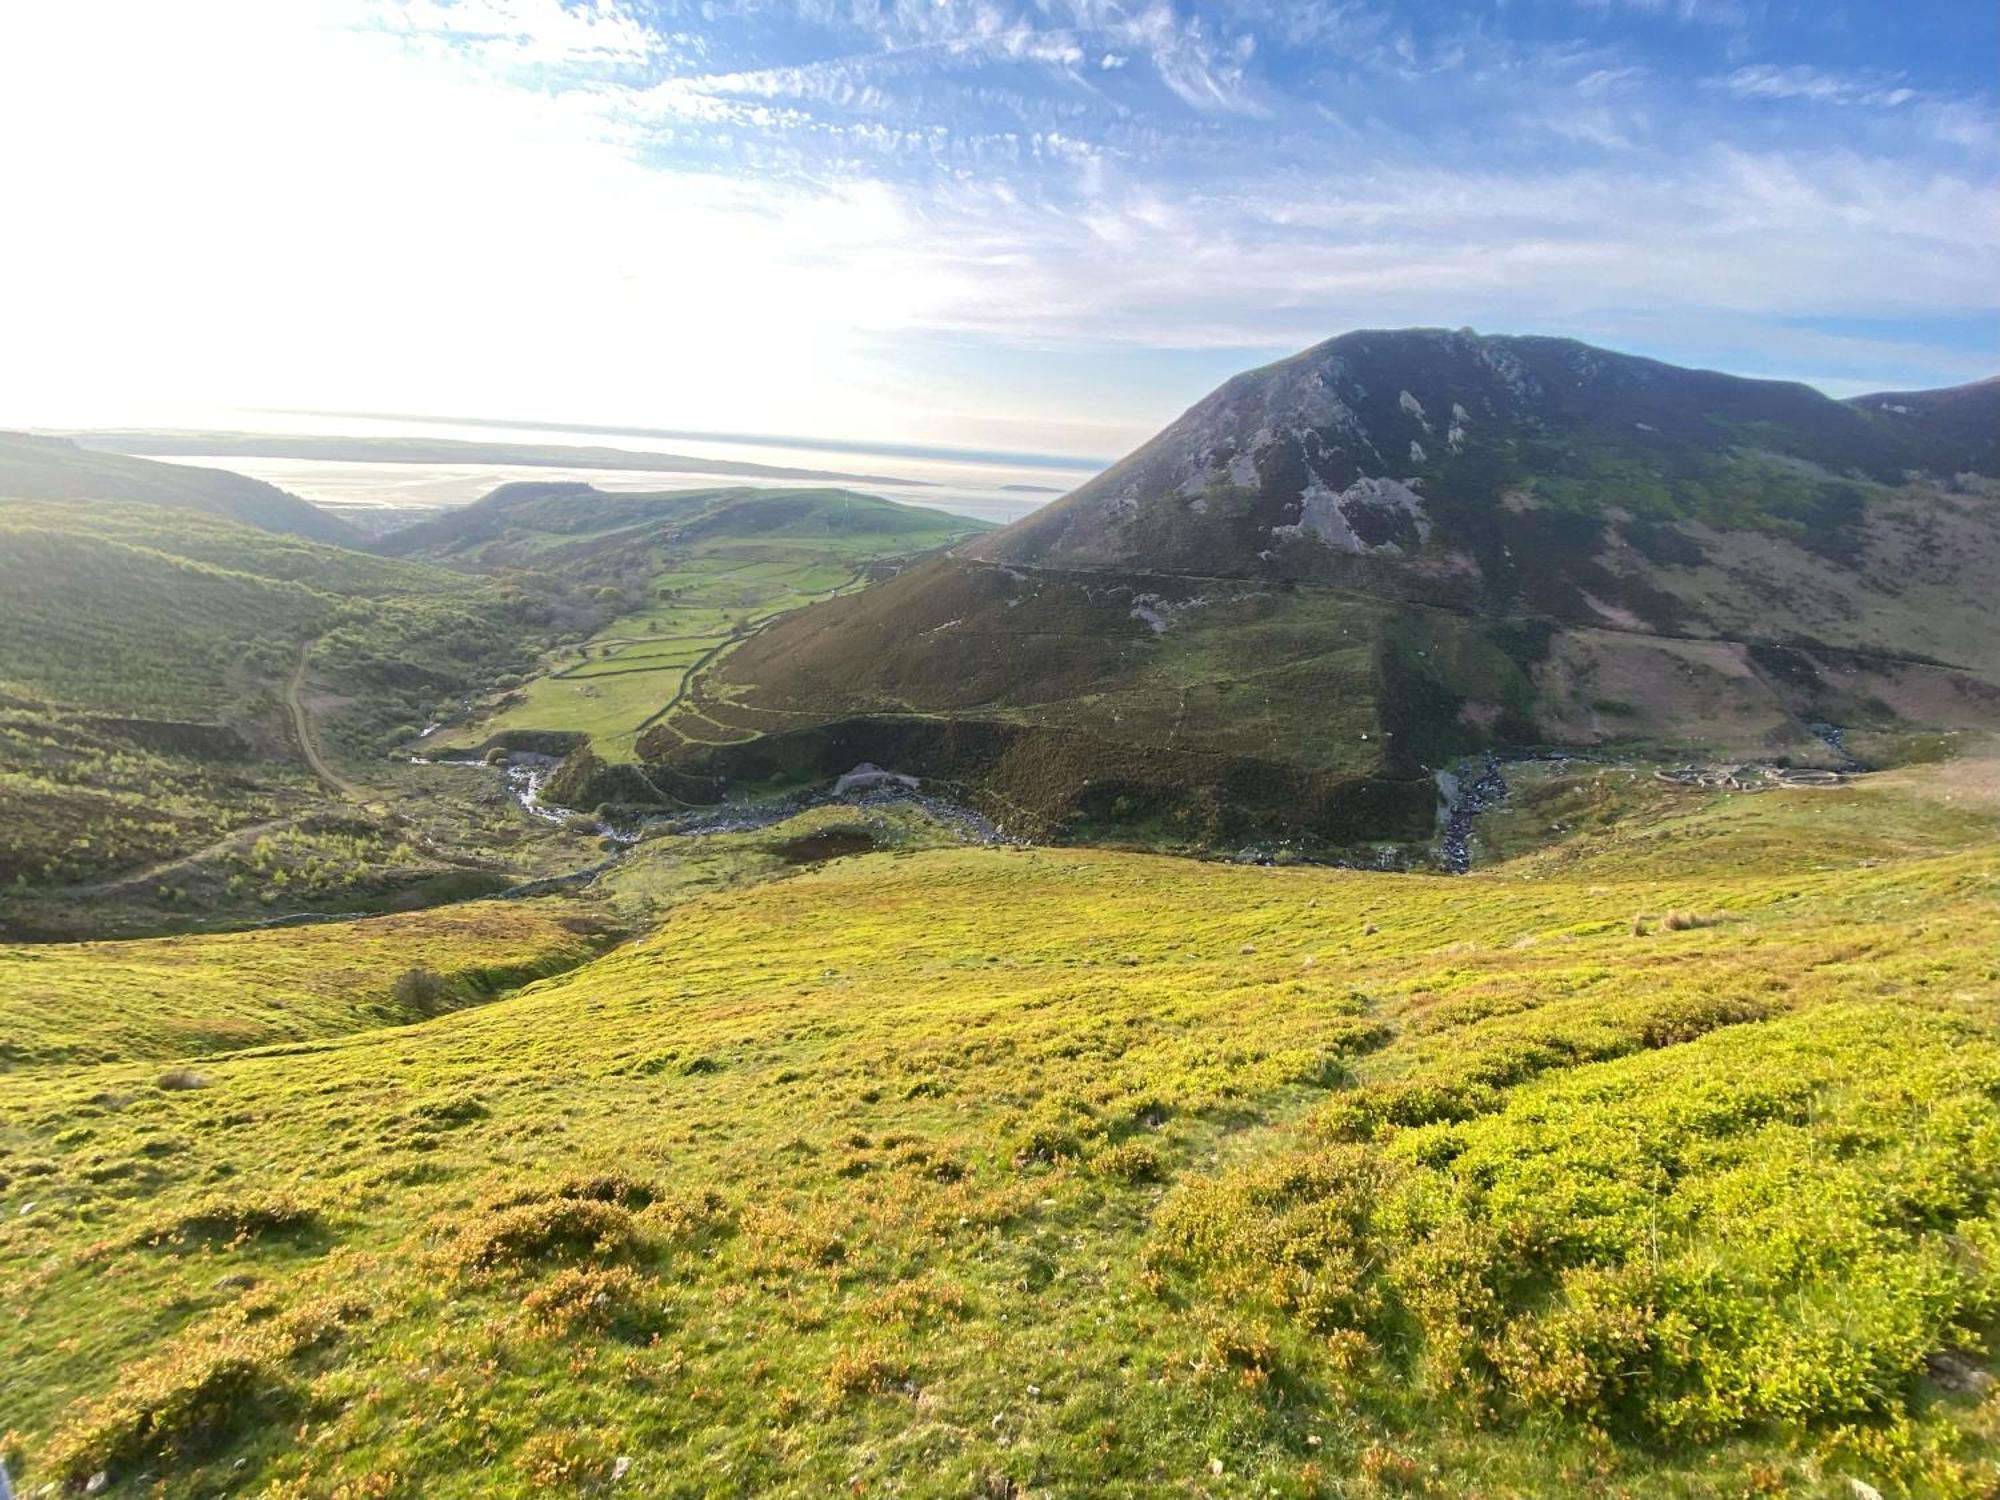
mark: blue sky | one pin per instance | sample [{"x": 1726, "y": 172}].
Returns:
[{"x": 1037, "y": 226}]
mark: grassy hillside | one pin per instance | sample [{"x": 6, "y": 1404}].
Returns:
[
  {"x": 180, "y": 997},
  {"x": 1059, "y": 1172},
  {"x": 154, "y": 661},
  {"x": 687, "y": 575},
  {"x": 52, "y": 468}
]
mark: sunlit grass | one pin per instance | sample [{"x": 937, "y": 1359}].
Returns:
[{"x": 1029, "y": 1171}]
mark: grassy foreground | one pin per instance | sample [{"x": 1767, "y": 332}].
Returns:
[{"x": 1029, "y": 1172}]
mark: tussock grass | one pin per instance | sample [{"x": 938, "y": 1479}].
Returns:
[{"x": 233, "y": 1217}]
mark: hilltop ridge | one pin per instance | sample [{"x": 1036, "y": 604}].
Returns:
[{"x": 36, "y": 467}]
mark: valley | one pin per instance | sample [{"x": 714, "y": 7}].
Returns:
[{"x": 1292, "y": 970}]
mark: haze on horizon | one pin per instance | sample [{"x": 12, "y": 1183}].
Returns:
[{"x": 1039, "y": 228}]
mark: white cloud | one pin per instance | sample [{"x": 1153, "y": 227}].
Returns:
[
  {"x": 518, "y": 206},
  {"x": 1797, "y": 81}
]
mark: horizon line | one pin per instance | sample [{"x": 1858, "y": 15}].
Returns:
[{"x": 1021, "y": 458}]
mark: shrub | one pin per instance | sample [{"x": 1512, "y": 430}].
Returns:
[
  {"x": 1685, "y": 921},
  {"x": 609, "y": 1188},
  {"x": 222, "y": 1216},
  {"x": 452, "y": 1109},
  {"x": 420, "y": 990},
  {"x": 589, "y": 1298},
  {"x": 214, "y": 1380},
  {"x": 1129, "y": 1162},
  {"x": 558, "y": 1229}
]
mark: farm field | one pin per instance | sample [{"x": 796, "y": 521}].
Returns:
[
  {"x": 621, "y": 679},
  {"x": 974, "y": 1171},
  {"x": 699, "y": 571}
]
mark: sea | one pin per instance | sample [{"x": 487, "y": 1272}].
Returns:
[{"x": 988, "y": 486}]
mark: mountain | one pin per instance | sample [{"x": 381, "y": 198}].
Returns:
[
  {"x": 33, "y": 467},
  {"x": 1340, "y": 572}
]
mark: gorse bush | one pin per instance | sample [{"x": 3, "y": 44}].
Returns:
[
  {"x": 543, "y": 1232},
  {"x": 234, "y": 1217},
  {"x": 590, "y": 1299}
]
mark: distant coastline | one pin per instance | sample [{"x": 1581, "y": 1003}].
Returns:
[{"x": 410, "y": 450}]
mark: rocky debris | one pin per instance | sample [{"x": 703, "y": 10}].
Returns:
[
  {"x": 1748, "y": 777},
  {"x": 1835, "y": 739},
  {"x": 1957, "y": 1372},
  {"x": 1150, "y": 610},
  {"x": 1466, "y": 796},
  {"x": 1369, "y": 515},
  {"x": 869, "y": 777}
]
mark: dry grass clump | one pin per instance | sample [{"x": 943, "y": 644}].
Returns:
[
  {"x": 559, "y": 1229},
  {"x": 865, "y": 1371},
  {"x": 567, "y": 1462},
  {"x": 233, "y": 1217},
  {"x": 210, "y": 1382},
  {"x": 591, "y": 1299},
  {"x": 1674, "y": 920}
]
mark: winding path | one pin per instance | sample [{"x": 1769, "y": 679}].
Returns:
[{"x": 302, "y": 727}]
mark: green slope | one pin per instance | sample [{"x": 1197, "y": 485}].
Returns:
[
  {"x": 53, "y": 468},
  {"x": 1074, "y": 1172},
  {"x": 687, "y": 575},
  {"x": 148, "y": 657}
]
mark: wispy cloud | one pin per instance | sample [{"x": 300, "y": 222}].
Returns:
[{"x": 1771, "y": 81}]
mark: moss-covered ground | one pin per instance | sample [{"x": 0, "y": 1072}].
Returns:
[{"x": 1657, "y": 1170}]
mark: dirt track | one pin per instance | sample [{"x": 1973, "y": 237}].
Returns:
[{"x": 302, "y": 729}]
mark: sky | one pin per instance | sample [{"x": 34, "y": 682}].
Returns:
[{"x": 1040, "y": 227}]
